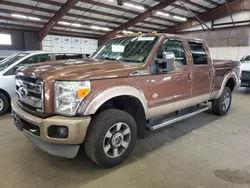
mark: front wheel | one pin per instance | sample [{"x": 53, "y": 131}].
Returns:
[
  {"x": 111, "y": 137},
  {"x": 222, "y": 105}
]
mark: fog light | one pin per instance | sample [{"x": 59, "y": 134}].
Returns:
[{"x": 58, "y": 131}]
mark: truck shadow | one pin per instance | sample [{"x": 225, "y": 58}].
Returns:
[{"x": 79, "y": 171}]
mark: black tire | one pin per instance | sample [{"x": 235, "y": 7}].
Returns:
[
  {"x": 5, "y": 102},
  {"x": 96, "y": 139},
  {"x": 218, "y": 106}
]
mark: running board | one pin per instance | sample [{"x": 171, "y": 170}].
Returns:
[{"x": 176, "y": 119}]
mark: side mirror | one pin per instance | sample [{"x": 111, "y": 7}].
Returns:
[{"x": 165, "y": 64}]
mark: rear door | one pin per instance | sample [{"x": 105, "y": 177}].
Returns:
[{"x": 202, "y": 69}]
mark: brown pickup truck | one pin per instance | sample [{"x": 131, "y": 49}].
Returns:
[{"x": 128, "y": 87}]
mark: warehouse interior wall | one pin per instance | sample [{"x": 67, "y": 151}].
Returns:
[{"x": 20, "y": 41}]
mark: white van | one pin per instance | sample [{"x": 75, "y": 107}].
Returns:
[{"x": 9, "y": 65}]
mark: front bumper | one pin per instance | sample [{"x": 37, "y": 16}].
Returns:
[{"x": 64, "y": 147}]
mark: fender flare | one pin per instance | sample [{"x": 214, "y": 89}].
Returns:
[
  {"x": 116, "y": 92},
  {"x": 224, "y": 82}
]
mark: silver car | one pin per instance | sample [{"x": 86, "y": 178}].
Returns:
[{"x": 9, "y": 65}]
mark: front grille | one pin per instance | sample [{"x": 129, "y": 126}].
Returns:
[
  {"x": 245, "y": 75},
  {"x": 29, "y": 92}
]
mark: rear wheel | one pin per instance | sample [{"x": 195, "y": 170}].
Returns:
[
  {"x": 4, "y": 104},
  {"x": 111, "y": 137},
  {"x": 222, "y": 105}
]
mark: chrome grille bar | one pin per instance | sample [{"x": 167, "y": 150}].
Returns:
[{"x": 30, "y": 93}]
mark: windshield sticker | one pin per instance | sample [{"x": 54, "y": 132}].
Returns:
[
  {"x": 118, "y": 48},
  {"x": 145, "y": 38}
]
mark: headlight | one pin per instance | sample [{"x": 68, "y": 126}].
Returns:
[{"x": 68, "y": 96}]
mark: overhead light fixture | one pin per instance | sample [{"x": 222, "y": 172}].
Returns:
[
  {"x": 104, "y": 28},
  {"x": 19, "y": 16},
  {"x": 76, "y": 24},
  {"x": 180, "y": 18},
  {"x": 25, "y": 17},
  {"x": 162, "y": 14},
  {"x": 64, "y": 23},
  {"x": 99, "y": 28},
  {"x": 34, "y": 18},
  {"x": 134, "y": 6},
  {"x": 95, "y": 27}
]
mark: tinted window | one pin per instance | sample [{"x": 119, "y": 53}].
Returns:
[
  {"x": 10, "y": 60},
  {"x": 198, "y": 53},
  {"x": 35, "y": 59},
  {"x": 69, "y": 56},
  {"x": 177, "y": 48},
  {"x": 245, "y": 59},
  {"x": 28, "y": 61}
]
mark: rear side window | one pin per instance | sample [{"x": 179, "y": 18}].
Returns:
[
  {"x": 69, "y": 56},
  {"x": 198, "y": 53}
]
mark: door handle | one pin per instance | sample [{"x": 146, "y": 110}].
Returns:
[{"x": 189, "y": 76}]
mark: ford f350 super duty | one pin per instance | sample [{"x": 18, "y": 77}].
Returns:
[{"x": 130, "y": 85}]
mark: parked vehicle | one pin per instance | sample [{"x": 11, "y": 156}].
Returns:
[
  {"x": 122, "y": 91},
  {"x": 9, "y": 65},
  {"x": 245, "y": 71}
]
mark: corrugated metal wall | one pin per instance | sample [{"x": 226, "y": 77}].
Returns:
[{"x": 232, "y": 37}]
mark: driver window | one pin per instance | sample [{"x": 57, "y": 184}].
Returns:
[
  {"x": 35, "y": 59},
  {"x": 28, "y": 61},
  {"x": 177, "y": 48}
]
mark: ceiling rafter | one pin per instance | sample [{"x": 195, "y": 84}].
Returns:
[
  {"x": 137, "y": 19},
  {"x": 111, "y": 15},
  {"x": 55, "y": 31},
  {"x": 219, "y": 12},
  {"x": 74, "y": 16},
  {"x": 195, "y": 5},
  {"x": 56, "y": 18},
  {"x": 182, "y": 8},
  {"x": 39, "y": 24},
  {"x": 212, "y": 3}
]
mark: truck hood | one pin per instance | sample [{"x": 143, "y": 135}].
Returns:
[{"x": 88, "y": 69}]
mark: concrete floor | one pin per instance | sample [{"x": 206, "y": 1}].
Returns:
[{"x": 204, "y": 151}]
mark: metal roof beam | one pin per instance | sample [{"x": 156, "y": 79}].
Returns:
[
  {"x": 235, "y": 6},
  {"x": 137, "y": 19},
  {"x": 212, "y": 3},
  {"x": 57, "y": 17}
]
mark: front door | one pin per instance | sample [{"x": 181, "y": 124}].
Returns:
[{"x": 168, "y": 87}]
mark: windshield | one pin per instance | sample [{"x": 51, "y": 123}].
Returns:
[
  {"x": 126, "y": 49},
  {"x": 245, "y": 59},
  {"x": 11, "y": 59}
]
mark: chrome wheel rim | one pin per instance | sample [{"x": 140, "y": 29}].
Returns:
[
  {"x": 1, "y": 104},
  {"x": 226, "y": 101},
  {"x": 117, "y": 140}
]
